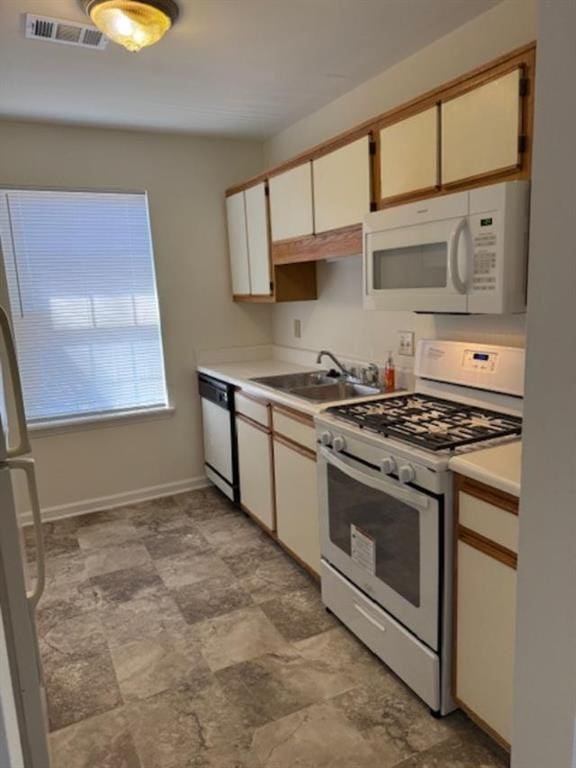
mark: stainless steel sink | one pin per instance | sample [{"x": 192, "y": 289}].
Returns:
[
  {"x": 290, "y": 381},
  {"x": 318, "y": 386},
  {"x": 341, "y": 390}
]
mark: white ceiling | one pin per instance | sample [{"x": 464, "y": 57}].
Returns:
[{"x": 229, "y": 67}]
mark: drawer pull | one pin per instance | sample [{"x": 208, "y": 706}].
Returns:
[{"x": 371, "y": 619}]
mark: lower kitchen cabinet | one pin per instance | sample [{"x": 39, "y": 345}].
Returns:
[
  {"x": 297, "y": 501},
  {"x": 485, "y": 601},
  {"x": 255, "y": 470}
]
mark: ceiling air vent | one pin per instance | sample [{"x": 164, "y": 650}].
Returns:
[{"x": 64, "y": 32}]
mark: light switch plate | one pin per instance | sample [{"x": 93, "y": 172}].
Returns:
[{"x": 406, "y": 343}]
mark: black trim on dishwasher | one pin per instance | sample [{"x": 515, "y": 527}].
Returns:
[{"x": 221, "y": 393}]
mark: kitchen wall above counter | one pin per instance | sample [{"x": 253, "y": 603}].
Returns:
[{"x": 338, "y": 322}]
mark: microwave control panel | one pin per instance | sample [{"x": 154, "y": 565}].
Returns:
[{"x": 485, "y": 242}]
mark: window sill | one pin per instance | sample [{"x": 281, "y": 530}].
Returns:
[{"x": 95, "y": 422}]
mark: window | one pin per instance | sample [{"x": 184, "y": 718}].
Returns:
[{"x": 80, "y": 275}]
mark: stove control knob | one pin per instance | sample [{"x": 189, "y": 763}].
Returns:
[
  {"x": 326, "y": 438},
  {"x": 388, "y": 465},
  {"x": 406, "y": 473},
  {"x": 339, "y": 444}
]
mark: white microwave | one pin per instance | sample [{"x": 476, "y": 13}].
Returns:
[{"x": 466, "y": 252}]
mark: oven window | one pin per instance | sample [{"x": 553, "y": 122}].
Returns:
[
  {"x": 415, "y": 266},
  {"x": 380, "y": 533}
]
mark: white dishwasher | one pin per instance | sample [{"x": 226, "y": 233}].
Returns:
[{"x": 220, "y": 445}]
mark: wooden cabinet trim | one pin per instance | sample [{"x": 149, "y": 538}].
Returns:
[
  {"x": 320, "y": 150},
  {"x": 494, "y": 73},
  {"x": 252, "y": 423},
  {"x": 486, "y": 493},
  {"x": 524, "y": 55},
  {"x": 291, "y": 413},
  {"x": 488, "y": 547},
  {"x": 507, "y": 503},
  {"x": 345, "y": 241},
  {"x": 296, "y": 447},
  {"x": 254, "y": 298},
  {"x": 483, "y": 725},
  {"x": 308, "y": 568},
  {"x": 270, "y": 531}
]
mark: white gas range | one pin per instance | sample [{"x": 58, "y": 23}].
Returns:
[{"x": 386, "y": 503}]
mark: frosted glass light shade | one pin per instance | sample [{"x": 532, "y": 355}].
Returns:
[{"x": 134, "y": 24}]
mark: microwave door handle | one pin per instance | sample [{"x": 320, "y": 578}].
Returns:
[
  {"x": 453, "y": 250},
  {"x": 23, "y": 445},
  {"x": 29, "y": 468},
  {"x": 410, "y": 497}
]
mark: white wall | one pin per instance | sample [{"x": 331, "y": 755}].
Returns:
[
  {"x": 185, "y": 178},
  {"x": 337, "y": 320},
  {"x": 544, "y": 733}
]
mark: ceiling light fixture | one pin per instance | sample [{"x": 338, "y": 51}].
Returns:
[{"x": 133, "y": 23}]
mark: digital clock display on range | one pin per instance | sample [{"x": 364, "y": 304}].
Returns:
[{"x": 481, "y": 356}]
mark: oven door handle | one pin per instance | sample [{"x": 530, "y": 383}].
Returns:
[{"x": 411, "y": 497}]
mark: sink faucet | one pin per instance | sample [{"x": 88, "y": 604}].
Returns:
[{"x": 325, "y": 353}]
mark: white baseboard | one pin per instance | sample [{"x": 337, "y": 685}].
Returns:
[{"x": 117, "y": 500}]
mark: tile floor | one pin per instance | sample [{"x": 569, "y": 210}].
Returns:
[{"x": 176, "y": 634}]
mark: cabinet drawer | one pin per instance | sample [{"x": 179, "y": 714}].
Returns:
[
  {"x": 492, "y": 522},
  {"x": 485, "y": 636},
  {"x": 400, "y": 650},
  {"x": 254, "y": 409},
  {"x": 294, "y": 429}
]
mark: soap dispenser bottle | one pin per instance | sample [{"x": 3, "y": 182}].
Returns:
[{"x": 389, "y": 374}]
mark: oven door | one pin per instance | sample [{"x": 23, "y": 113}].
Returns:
[
  {"x": 422, "y": 267},
  {"x": 385, "y": 537}
]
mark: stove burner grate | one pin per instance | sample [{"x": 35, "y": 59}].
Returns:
[{"x": 429, "y": 422}]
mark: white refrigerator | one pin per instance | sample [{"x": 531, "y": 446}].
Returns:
[{"x": 23, "y": 729}]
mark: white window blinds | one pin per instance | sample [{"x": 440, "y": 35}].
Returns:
[{"x": 82, "y": 288}]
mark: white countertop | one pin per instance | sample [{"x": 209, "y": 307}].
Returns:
[
  {"x": 241, "y": 373},
  {"x": 499, "y": 467}
]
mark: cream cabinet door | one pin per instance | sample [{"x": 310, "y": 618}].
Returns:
[
  {"x": 255, "y": 466},
  {"x": 258, "y": 240},
  {"x": 291, "y": 211},
  {"x": 486, "y": 609},
  {"x": 408, "y": 154},
  {"x": 297, "y": 504},
  {"x": 341, "y": 184},
  {"x": 238, "y": 243},
  {"x": 481, "y": 129}
]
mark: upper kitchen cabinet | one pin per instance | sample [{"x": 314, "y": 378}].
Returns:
[
  {"x": 254, "y": 279},
  {"x": 482, "y": 129},
  {"x": 238, "y": 244},
  {"x": 341, "y": 186},
  {"x": 408, "y": 156},
  {"x": 258, "y": 240},
  {"x": 291, "y": 207},
  {"x": 474, "y": 130}
]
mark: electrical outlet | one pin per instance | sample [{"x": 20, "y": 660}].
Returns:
[
  {"x": 406, "y": 343},
  {"x": 297, "y": 329}
]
